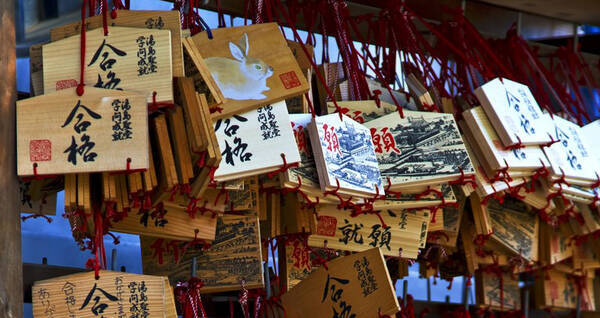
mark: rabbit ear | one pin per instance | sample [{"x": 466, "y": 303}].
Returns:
[
  {"x": 244, "y": 43},
  {"x": 236, "y": 52}
]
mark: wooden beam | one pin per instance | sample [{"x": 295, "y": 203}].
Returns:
[{"x": 11, "y": 288}]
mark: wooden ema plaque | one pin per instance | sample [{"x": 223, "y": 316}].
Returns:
[
  {"x": 252, "y": 65},
  {"x": 115, "y": 294},
  {"x": 493, "y": 291},
  {"x": 405, "y": 233},
  {"x": 295, "y": 261},
  {"x": 174, "y": 224},
  {"x": 131, "y": 59},
  {"x": 512, "y": 225},
  {"x": 356, "y": 285},
  {"x": 252, "y": 143},
  {"x": 345, "y": 156},
  {"x": 161, "y": 20},
  {"x": 557, "y": 289},
  {"x": 554, "y": 246},
  {"x": 572, "y": 157},
  {"x": 420, "y": 149},
  {"x": 234, "y": 257},
  {"x": 513, "y": 112},
  {"x": 63, "y": 133}
]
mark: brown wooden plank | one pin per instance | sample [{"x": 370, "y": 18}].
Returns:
[{"x": 11, "y": 290}]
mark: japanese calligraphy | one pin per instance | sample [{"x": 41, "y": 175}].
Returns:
[
  {"x": 121, "y": 120},
  {"x": 69, "y": 291},
  {"x": 87, "y": 145},
  {"x": 564, "y": 141},
  {"x": 403, "y": 221},
  {"x": 146, "y": 55},
  {"x": 44, "y": 297},
  {"x": 365, "y": 276},
  {"x": 138, "y": 300},
  {"x": 237, "y": 148},
  {"x": 300, "y": 137},
  {"x": 268, "y": 125},
  {"x": 331, "y": 139},
  {"x": 515, "y": 104},
  {"x": 119, "y": 288},
  {"x": 383, "y": 141},
  {"x": 157, "y": 215},
  {"x": 106, "y": 65},
  {"x": 356, "y": 115},
  {"x": 350, "y": 233},
  {"x": 157, "y": 23},
  {"x": 301, "y": 255},
  {"x": 336, "y": 291},
  {"x": 380, "y": 236},
  {"x": 99, "y": 306}
]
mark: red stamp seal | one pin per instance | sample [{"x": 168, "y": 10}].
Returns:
[
  {"x": 289, "y": 80},
  {"x": 326, "y": 225},
  {"x": 68, "y": 83},
  {"x": 40, "y": 150}
]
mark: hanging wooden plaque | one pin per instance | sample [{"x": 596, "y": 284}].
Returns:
[
  {"x": 345, "y": 156},
  {"x": 252, "y": 65},
  {"x": 161, "y": 20},
  {"x": 499, "y": 293},
  {"x": 130, "y": 59},
  {"x": 512, "y": 225},
  {"x": 62, "y": 133},
  {"x": 513, "y": 112},
  {"x": 405, "y": 233},
  {"x": 296, "y": 261},
  {"x": 252, "y": 143},
  {"x": 558, "y": 289},
  {"x": 356, "y": 285},
  {"x": 115, "y": 294},
  {"x": 572, "y": 157},
  {"x": 234, "y": 257},
  {"x": 421, "y": 148},
  {"x": 173, "y": 223}
]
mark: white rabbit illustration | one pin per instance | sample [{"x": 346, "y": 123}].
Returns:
[{"x": 243, "y": 78}]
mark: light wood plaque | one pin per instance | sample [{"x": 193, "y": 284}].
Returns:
[
  {"x": 131, "y": 59},
  {"x": 161, "y": 20},
  {"x": 113, "y": 295},
  {"x": 358, "y": 285},
  {"x": 62, "y": 133}
]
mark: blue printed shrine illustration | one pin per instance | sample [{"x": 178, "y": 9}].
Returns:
[{"x": 357, "y": 163}]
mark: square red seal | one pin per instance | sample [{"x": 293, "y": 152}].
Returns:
[
  {"x": 289, "y": 80},
  {"x": 40, "y": 150},
  {"x": 326, "y": 225},
  {"x": 68, "y": 83}
]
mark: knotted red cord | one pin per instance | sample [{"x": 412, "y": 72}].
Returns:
[
  {"x": 156, "y": 106},
  {"x": 292, "y": 26},
  {"x": 188, "y": 295},
  {"x": 464, "y": 180},
  {"x": 283, "y": 168}
]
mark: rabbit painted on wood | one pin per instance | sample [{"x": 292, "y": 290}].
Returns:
[{"x": 243, "y": 78}]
